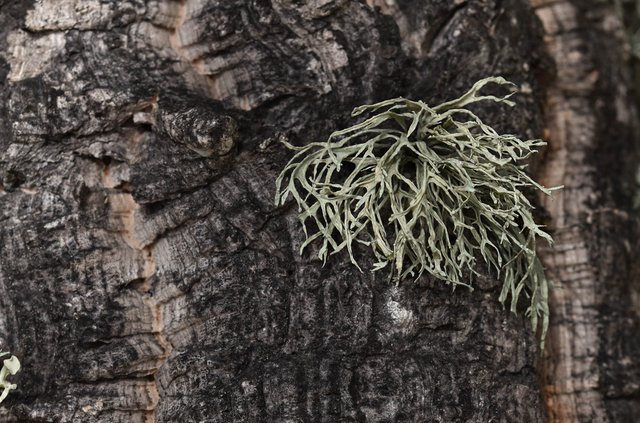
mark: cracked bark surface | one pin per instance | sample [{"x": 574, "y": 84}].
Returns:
[
  {"x": 146, "y": 276},
  {"x": 591, "y": 371}
]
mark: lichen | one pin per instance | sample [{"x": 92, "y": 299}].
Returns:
[
  {"x": 430, "y": 190},
  {"x": 10, "y": 366}
]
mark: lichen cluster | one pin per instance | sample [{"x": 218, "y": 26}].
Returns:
[{"x": 430, "y": 190}]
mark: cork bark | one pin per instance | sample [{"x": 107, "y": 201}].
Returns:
[
  {"x": 591, "y": 371},
  {"x": 146, "y": 276}
]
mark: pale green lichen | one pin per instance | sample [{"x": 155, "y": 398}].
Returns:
[
  {"x": 429, "y": 189},
  {"x": 10, "y": 366}
]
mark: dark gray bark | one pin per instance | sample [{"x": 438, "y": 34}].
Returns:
[{"x": 145, "y": 274}]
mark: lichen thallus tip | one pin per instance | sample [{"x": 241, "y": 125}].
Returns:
[{"x": 10, "y": 366}]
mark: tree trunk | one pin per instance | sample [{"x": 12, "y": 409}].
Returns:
[
  {"x": 591, "y": 370},
  {"x": 146, "y": 274}
]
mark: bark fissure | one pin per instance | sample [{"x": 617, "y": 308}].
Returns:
[
  {"x": 575, "y": 363},
  {"x": 126, "y": 209}
]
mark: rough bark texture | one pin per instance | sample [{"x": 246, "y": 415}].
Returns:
[
  {"x": 146, "y": 276},
  {"x": 591, "y": 369}
]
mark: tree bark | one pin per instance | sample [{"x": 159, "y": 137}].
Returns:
[
  {"x": 146, "y": 275},
  {"x": 591, "y": 369}
]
